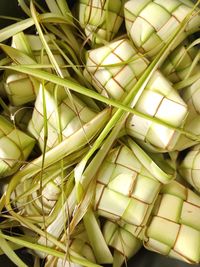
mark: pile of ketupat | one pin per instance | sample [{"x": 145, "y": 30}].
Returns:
[{"x": 100, "y": 131}]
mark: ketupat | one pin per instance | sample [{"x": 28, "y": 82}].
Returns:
[
  {"x": 78, "y": 242},
  {"x": 175, "y": 231},
  {"x": 114, "y": 68},
  {"x": 181, "y": 65},
  {"x": 158, "y": 20},
  {"x": 63, "y": 116},
  {"x": 30, "y": 51},
  {"x": 158, "y": 99},
  {"x": 100, "y": 19},
  {"x": 124, "y": 243},
  {"x": 15, "y": 147},
  {"x": 190, "y": 94},
  {"x": 178, "y": 65},
  {"x": 189, "y": 167},
  {"x": 128, "y": 184}
]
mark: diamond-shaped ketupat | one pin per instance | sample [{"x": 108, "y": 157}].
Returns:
[
  {"x": 189, "y": 167},
  {"x": 150, "y": 23},
  {"x": 124, "y": 243},
  {"x": 100, "y": 19},
  {"x": 174, "y": 228},
  {"x": 72, "y": 114},
  {"x": 15, "y": 147},
  {"x": 142, "y": 178},
  {"x": 114, "y": 69}
]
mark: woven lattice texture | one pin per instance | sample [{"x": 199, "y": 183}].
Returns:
[
  {"x": 15, "y": 146},
  {"x": 50, "y": 194},
  {"x": 114, "y": 81},
  {"x": 190, "y": 167},
  {"x": 64, "y": 114},
  {"x": 126, "y": 190},
  {"x": 174, "y": 228},
  {"x": 20, "y": 88},
  {"x": 159, "y": 100},
  {"x": 150, "y": 23},
  {"x": 100, "y": 19},
  {"x": 121, "y": 240},
  {"x": 191, "y": 96},
  {"x": 41, "y": 200},
  {"x": 79, "y": 242},
  {"x": 178, "y": 65}
]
